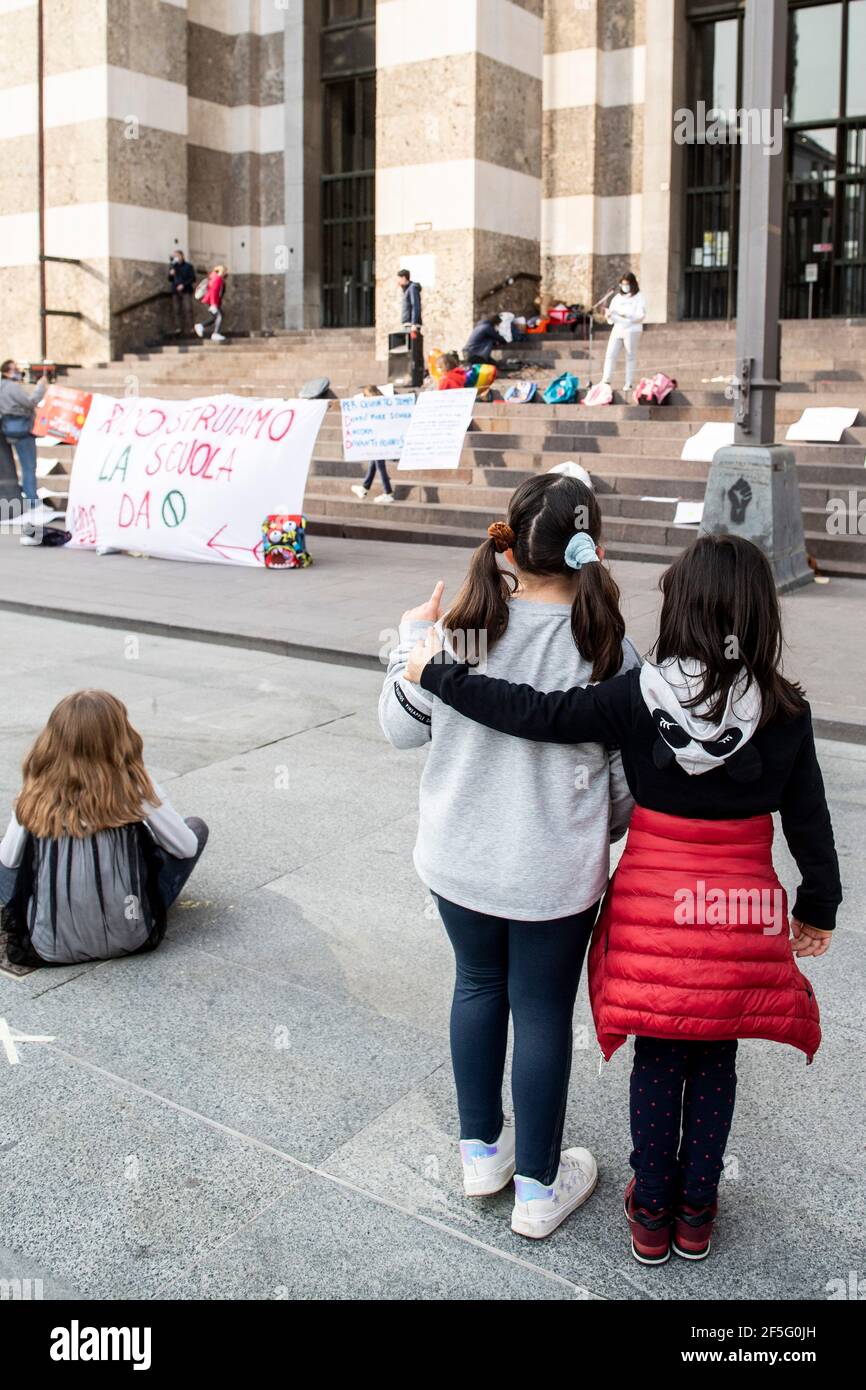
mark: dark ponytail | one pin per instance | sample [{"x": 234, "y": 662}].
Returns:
[
  {"x": 597, "y": 624},
  {"x": 482, "y": 603},
  {"x": 543, "y": 515}
]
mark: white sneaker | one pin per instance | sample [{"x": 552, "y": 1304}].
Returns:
[
  {"x": 386, "y": 497},
  {"x": 29, "y": 536},
  {"x": 487, "y": 1168},
  {"x": 359, "y": 491},
  {"x": 217, "y": 338},
  {"x": 199, "y": 330},
  {"x": 538, "y": 1210}
]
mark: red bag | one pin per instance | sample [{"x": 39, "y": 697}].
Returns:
[{"x": 654, "y": 390}]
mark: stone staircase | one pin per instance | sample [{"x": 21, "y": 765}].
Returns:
[{"x": 632, "y": 452}]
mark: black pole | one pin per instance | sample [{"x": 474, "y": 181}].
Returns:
[
  {"x": 762, "y": 204},
  {"x": 752, "y": 489}
]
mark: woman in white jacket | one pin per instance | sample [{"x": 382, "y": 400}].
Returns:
[{"x": 626, "y": 312}]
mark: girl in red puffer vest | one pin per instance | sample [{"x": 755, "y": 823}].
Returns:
[{"x": 692, "y": 951}]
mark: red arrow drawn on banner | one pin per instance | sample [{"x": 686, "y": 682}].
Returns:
[{"x": 223, "y": 546}]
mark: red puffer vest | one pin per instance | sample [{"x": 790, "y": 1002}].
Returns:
[{"x": 692, "y": 941}]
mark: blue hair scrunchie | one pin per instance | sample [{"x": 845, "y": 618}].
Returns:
[{"x": 580, "y": 550}]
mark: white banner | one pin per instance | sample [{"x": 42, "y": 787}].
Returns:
[
  {"x": 374, "y": 427},
  {"x": 190, "y": 480},
  {"x": 436, "y": 435}
]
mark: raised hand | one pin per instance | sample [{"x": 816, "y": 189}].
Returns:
[{"x": 426, "y": 612}]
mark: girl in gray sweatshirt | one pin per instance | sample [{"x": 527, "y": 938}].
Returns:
[{"x": 514, "y": 837}]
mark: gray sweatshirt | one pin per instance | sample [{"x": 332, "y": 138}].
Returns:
[
  {"x": 509, "y": 827},
  {"x": 15, "y": 400}
]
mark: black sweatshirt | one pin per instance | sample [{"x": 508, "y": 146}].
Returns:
[{"x": 777, "y": 770}]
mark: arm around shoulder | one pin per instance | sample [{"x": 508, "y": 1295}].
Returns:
[{"x": 591, "y": 714}]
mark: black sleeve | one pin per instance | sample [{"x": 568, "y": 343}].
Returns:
[
  {"x": 594, "y": 714},
  {"x": 809, "y": 833}
]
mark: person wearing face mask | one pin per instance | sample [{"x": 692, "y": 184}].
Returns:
[
  {"x": 182, "y": 279},
  {"x": 626, "y": 313},
  {"x": 17, "y": 411}
]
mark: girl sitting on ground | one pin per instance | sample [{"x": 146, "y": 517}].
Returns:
[{"x": 95, "y": 854}]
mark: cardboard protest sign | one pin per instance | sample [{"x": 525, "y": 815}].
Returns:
[
  {"x": 61, "y": 414},
  {"x": 438, "y": 429},
  {"x": 374, "y": 427},
  {"x": 190, "y": 480}
]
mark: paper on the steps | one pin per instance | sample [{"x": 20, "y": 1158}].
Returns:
[
  {"x": 824, "y": 424},
  {"x": 712, "y": 436},
  {"x": 689, "y": 514}
]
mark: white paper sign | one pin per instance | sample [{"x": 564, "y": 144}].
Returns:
[
  {"x": 712, "y": 436},
  {"x": 189, "y": 480},
  {"x": 374, "y": 427},
  {"x": 438, "y": 429},
  {"x": 823, "y": 424},
  {"x": 688, "y": 513}
]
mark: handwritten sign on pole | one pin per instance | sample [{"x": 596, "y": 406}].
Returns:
[
  {"x": 374, "y": 427},
  {"x": 438, "y": 429},
  {"x": 189, "y": 480}
]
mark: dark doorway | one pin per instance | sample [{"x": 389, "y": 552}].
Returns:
[{"x": 349, "y": 163}]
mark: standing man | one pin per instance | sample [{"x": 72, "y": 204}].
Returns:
[
  {"x": 17, "y": 411},
  {"x": 181, "y": 276},
  {"x": 411, "y": 299},
  {"x": 411, "y": 320}
]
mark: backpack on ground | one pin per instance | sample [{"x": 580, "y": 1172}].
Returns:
[
  {"x": 600, "y": 394},
  {"x": 654, "y": 390},
  {"x": 562, "y": 391},
  {"x": 521, "y": 392}
]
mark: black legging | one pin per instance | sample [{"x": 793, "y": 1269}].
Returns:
[
  {"x": 682, "y": 1103},
  {"x": 531, "y": 969}
]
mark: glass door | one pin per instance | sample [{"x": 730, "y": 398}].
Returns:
[
  {"x": 825, "y": 222},
  {"x": 349, "y": 163},
  {"x": 712, "y": 172}
]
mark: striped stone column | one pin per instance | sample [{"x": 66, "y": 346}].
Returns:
[
  {"x": 236, "y": 138},
  {"x": 594, "y": 92},
  {"x": 458, "y": 153},
  {"x": 115, "y": 164},
  {"x": 164, "y": 128}
]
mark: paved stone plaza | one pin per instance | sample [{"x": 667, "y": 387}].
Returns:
[{"x": 264, "y": 1108}]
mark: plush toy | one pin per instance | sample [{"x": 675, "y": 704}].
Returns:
[{"x": 285, "y": 543}]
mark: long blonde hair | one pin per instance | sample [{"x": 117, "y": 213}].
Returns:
[{"x": 85, "y": 771}]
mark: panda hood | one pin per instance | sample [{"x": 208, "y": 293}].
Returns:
[{"x": 697, "y": 743}]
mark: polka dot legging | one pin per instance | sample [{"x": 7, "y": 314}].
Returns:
[{"x": 682, "y": 1103}]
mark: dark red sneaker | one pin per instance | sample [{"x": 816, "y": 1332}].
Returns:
[
  {"x": 693, "y": 1231},
  {"x": 650, "y": 1231}
]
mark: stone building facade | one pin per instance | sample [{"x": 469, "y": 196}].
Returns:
[{"x": 315, "y": 146}]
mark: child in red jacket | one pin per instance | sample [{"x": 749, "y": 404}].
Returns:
[
  {"x": 692, "y": 949},
  {"x": 213, "y": 298}
]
